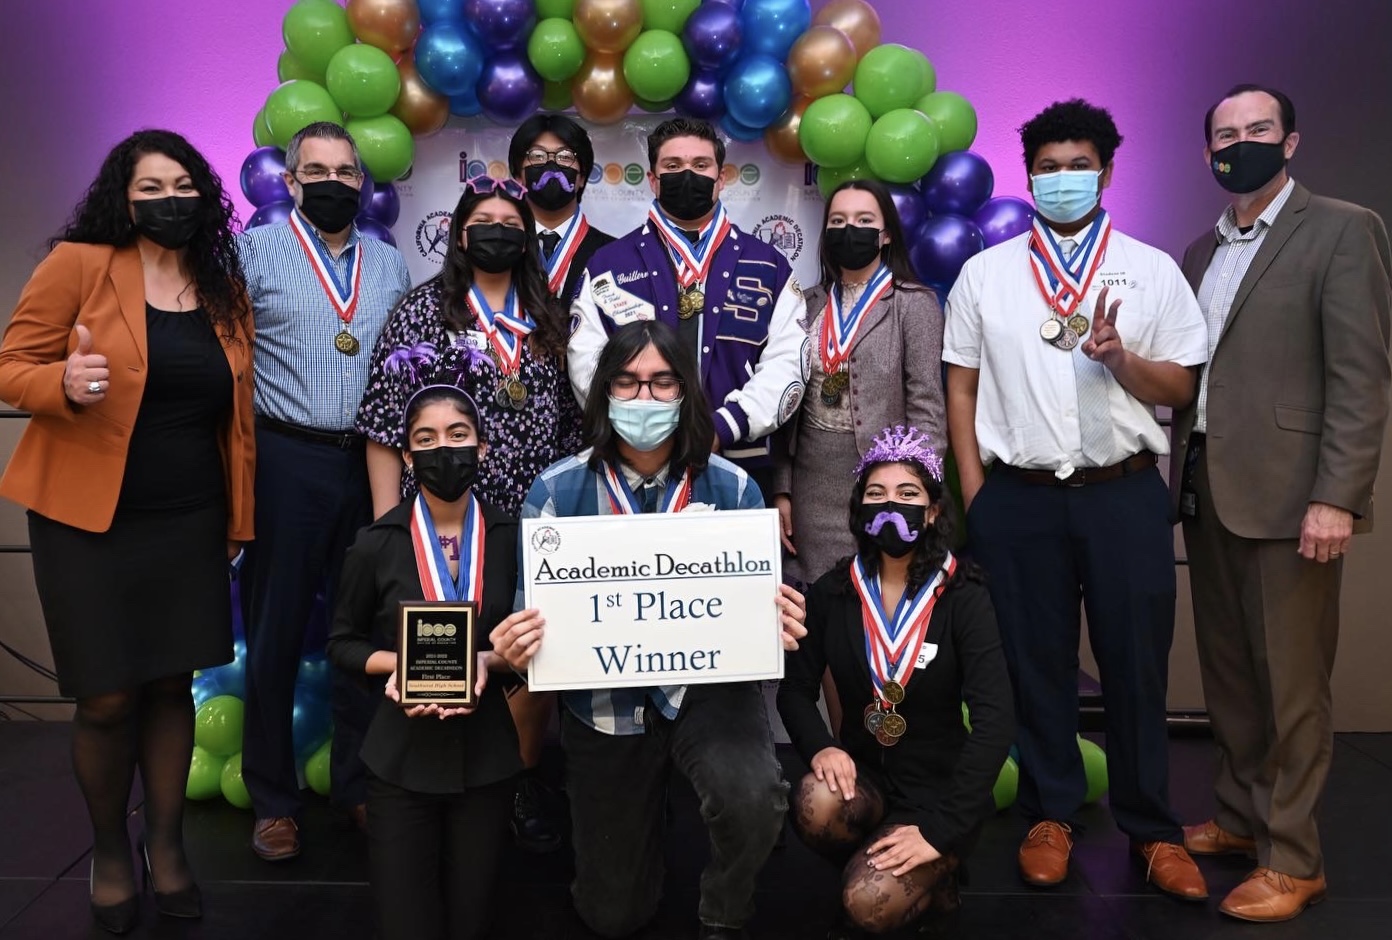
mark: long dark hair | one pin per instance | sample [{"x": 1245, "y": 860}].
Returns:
[
  {"x": 103, "y": 217},
  {"x": 895, "y": 253},
  {"x": 695, "y": 426},
  {"x": 457, "y": 276}
]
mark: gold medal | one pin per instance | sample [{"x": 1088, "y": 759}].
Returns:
[
  {"x": 516, "y": 391},
  {"x": 347, "y": 343},
  {"x": 885, "y": 740},
  {"x": 894, "y": 725},
  {"x": 893, "y": 692},
  {"x": 690, "y": 303},
  {"x": 833, "y": 387},
  {"x": 1079, "y": 324},
  {"x": 1066, "y": 340}
]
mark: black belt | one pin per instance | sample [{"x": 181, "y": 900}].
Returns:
[
  {"x": 1132, "y": 464},
  {"x": 343, "y": 440}
]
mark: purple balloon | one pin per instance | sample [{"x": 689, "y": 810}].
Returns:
[
  {"x": 262, "y": 183},
  {"x": 369, "y": 227},
  {"x": 909, "y": 204},
  {"x": 501, "y": 24},
  {"x": 365, "y": 191},
  {"x": 510, "y": 88},
  {"x": 385, "y": 206},
  {"x": 1004, "y": 217},
  {"x": 960, "y": 182},
  {"x": 270, "y": 213},
  {"x": 702, "y": 97},
  {"x": 942, "y": 245},
  {"x": 712, "y": 36}
]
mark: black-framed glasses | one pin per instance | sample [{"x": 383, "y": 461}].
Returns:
[
  {"x": 487, "y": 186},
  {"x": 662, "y": 387},
  {"x": 317, "y": 173},
  {"x": 565, "y": 156}
]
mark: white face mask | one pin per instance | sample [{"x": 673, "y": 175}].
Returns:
[
  {"x": 642, "y": 422},
  {"x": 1066, "y": 195}
]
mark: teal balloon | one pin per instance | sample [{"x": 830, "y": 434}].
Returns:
[
  {"x": 217, "y": 725},
  {"x": 656, "y": 66},
  {"x": 314, "y": 30},
  {"x": 902, "y": 146},
  {"x": 363, "y": 80},
  {"x": 289, "y": 68},
  {"x": 833, "y": 130},
  {"x": 556, "y": 50},
  {"x": 205, "y": 775},
  {"x": 1007, "y": 786},
  {"x": 828, "y": 178},
  {"x": 385, "y": 145},
  {"x": 892, "y": 76},
  {"x": 294, "y": 106},
  {"x": 316, "y": 769},
  {"x": 233, "y": 787},
  {"x": 1095, "y": 767},
  {"x": 669, "y": 15},
  {"x": 954, "y": 117}
]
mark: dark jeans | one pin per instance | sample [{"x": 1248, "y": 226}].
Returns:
[{"x": 720, "y": 741}]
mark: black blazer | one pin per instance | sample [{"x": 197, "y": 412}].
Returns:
[
  {"x": 938, "y": 777},
  {"x": 427, "y": 755},
  {"x": 593, "y": 241}
]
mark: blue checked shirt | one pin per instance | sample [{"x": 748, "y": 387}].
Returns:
[
  {"x": 300, "y": 377},
  {"x": 570, "y": 488}
]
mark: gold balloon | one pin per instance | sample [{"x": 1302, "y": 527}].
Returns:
[
  {"x": 599, "y": 90},
  {"x": 608, "y": 25},
  {"x": 821, "y": 62},
  {"x": 856, "y": 18},
  {"x": 781, "y": 137},
  {"x": 390, "y": 25},
  {"x": 421, "y": 108}
]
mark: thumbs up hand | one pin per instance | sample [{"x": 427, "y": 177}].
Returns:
[{"x": 86, "y": 377}]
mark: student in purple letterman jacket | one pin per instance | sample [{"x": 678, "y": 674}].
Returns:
[{"x": 731, "y": 298}]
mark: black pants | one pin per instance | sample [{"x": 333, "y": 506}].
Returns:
[
  {"x": 1111, "y": 546},
  {"x": 720, "y": 741},
  {"x": 434, "y": 859},
  {"x": 311, "y": 499}
]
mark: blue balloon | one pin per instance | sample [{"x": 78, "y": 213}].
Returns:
[
  {"x": 942, "y": 245},
  {"x": 466, "y": 103},
  {"x": 713, "y": 36},
  {"x": 1002, "y": 218},
  {"x": 909, "y": 204},
  {"x": 772, "y": 26},
  {"x": 740, "y": 132},
  {"x": 229, "y": 679},
  {"x": 449, "y": 57},
  {"x": 315, "y": 675},
  {"x": 433, "y": 11},
  {"x": 701, "y": 98},
  {"x": 960, "y": 182},
  {"x": 269, "y": 214},
  {"x": 310, "y": 722},
  {"x": 204, "y": 688},
  {"x": 757, "y": 91}
]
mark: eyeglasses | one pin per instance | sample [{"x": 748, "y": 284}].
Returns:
[
  {"x": 487, "y": 186},
  {"x": 565, "y": 156},
  {"x": 662, "y": 387},
  {"x": 317, "y": 172}
]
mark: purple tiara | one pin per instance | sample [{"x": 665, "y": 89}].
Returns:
[
  {"x": 425, "y": 367},
  {"x": 902, "y": 445}
]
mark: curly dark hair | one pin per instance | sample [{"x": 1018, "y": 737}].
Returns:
[
  {"x": 895, "y": 253},
  {"x": 103, "y": 217},
  {"x": 1074, "y": 119},
  {"x": 457, "y": 277}
]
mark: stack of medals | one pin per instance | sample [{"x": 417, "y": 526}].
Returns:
[
  {"x": 839, "y": 329},
  {"x": 1065, "y": 282},
  {"x": 691, "y": 262},
  {"x": 342, "y": 297},
  {"x": 892, "y": 645},
  {"x": 507, "y": 330}
]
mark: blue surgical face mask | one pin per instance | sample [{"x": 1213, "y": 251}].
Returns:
[
  {"x": 1067, "y": 195},
  {"x": 644, "y": 423}
]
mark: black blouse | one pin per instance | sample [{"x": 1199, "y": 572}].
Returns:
[
  {"x": 427, "y": 755},
  {"x": 938, "y": 777}
]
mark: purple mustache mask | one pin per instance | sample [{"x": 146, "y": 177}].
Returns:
[
  {"x": 900, "y": 524},
  {"x": 894, "y": 527},
  {"x": 561, "y": 179}
]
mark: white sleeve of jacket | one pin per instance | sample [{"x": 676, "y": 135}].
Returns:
[
  {"x": 587, "y": 339},
  {"x": 773, "y": 393}
]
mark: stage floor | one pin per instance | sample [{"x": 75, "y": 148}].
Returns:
[{"x": 324, "y": 894}]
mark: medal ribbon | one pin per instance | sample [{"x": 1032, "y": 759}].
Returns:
[
  {"x": 558, "y": 264},
  {"x": 1068, "y": 282},
  {"x": 344, "y": 298},
  {"x": 431, "y": 566},
  {"x": 505, "y": 328},
  {"x": 839, "y": 328},
  {"x": 892, "y": 644},
  {"x": 692, "y": 261},
  {"x": 623, "y": 502}
]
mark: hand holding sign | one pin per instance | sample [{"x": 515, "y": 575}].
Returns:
[
  {"x": 792, "y": 614},
  {"x": 518, "y": 638},
  {"x": 86, "y": 376},
  {"x": 1104, "y": 345}
]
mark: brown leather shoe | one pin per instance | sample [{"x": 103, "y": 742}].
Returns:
[
  {"x": 1268, "y": 896},
  {"x": 1170, "y": 869},
  {"x": 1209, "y": 838},
  {"x": 1044, "y": 853},
  {"x": 276, "y": 839}
]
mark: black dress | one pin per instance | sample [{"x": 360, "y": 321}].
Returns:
[{"x": 149, "y": 597}]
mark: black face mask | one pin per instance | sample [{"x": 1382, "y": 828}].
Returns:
[
  {"x": 329, "y": 205},
  {"x": 1248, "y": 165},
  {"x": 686, "y": 195},
  {"x": 551, "y": 186},
  {"x": 494, "y": 247},
  {"x": 895, "y": 528},
  {"x": 169, "y": 222},
  {"x": 446, "y": 472},
  {"x": 852, "y": 247}
]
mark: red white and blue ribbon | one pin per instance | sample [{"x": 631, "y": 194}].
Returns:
[
  {"x": 840, "y": 327},
  {"x": 435, "y": 579},
  {"x": 343, "y": 297},
  {"x": 559, "y": 261},
  {"x": 892, "y": 643},
  {"x": 622, "y": 501},
  {"x": 692, "y": 261},
  {"x": 506, "y": 329},
  {"x": 1067, "y": 280}
]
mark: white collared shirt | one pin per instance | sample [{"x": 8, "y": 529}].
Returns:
[{"x": 1027, "y": 394}]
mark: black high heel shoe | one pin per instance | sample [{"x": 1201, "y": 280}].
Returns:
[
  {"x": 114, "y": 918},
  {"x": 186, "y": 902}
]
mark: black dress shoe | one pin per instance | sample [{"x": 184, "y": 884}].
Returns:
[
  {"x": 534, "y": 824},
  {"x": 722, "y": 933},
  {"x": 116, "y": 918},
  {"x": 186, "y": 902}
]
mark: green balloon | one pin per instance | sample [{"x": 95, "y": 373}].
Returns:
[
  {"x": 656, "y": 66},
  {"x": 232, "y": 785},
  {"x": 902, "y": 146},
  {"x": 556, "y": 96},
  {"x": 314, "y": 30},
  {"x": 954, "y": 116},
  {"x": 316, "y": 770},
  {"x": 260, "y": 132},
  {"x": 928, "y": 76},
  {"x": 363, "y": 80},
  {"x": 828, "y": 178},
  {"x": 890, "y": 77},
  {"x": 670, "y": 15},
  {"x": 289, "y": 68},
  {"x": 966, "y": 717},
  {"x": 1095, "y": 766},
  {"x": 1007, "y": 786},
  {"x": 556, "y": 50},
  {"x": 217, "y": 727},
  {"x": 205, "y": 775},
  {"x": 833, "y": 129},
  {"x": 295, "y": 105},
  {"x": 385, "y": 145},
  {"x": 653, "y": 107},
  {"x": 553, "y": 9}
]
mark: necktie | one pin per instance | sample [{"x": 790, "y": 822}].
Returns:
[
  {"x": 1094, "y": 411},
  {"x": 549, "y": 241},
  {"x": 648, "y": 495}
]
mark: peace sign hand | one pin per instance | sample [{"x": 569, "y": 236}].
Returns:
[{"x": 1104, "y": 345}]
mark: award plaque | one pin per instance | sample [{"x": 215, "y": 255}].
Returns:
[{"x": 435, "y": 661}]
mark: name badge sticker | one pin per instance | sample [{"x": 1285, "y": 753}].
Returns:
[{"x": 926, "y": 655}]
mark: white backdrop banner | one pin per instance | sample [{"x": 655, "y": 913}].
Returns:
[{"x": 773, "y": 201}]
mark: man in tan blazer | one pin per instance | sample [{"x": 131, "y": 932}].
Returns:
[{"x": 1272, "y": 472}]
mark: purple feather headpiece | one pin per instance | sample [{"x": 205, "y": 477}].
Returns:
[
  {"x": 427, "y": 368},
  {"x": 902, "y": 445}
]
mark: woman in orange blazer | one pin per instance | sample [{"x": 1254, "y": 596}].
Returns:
[{"x": 131, "y": 347}]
